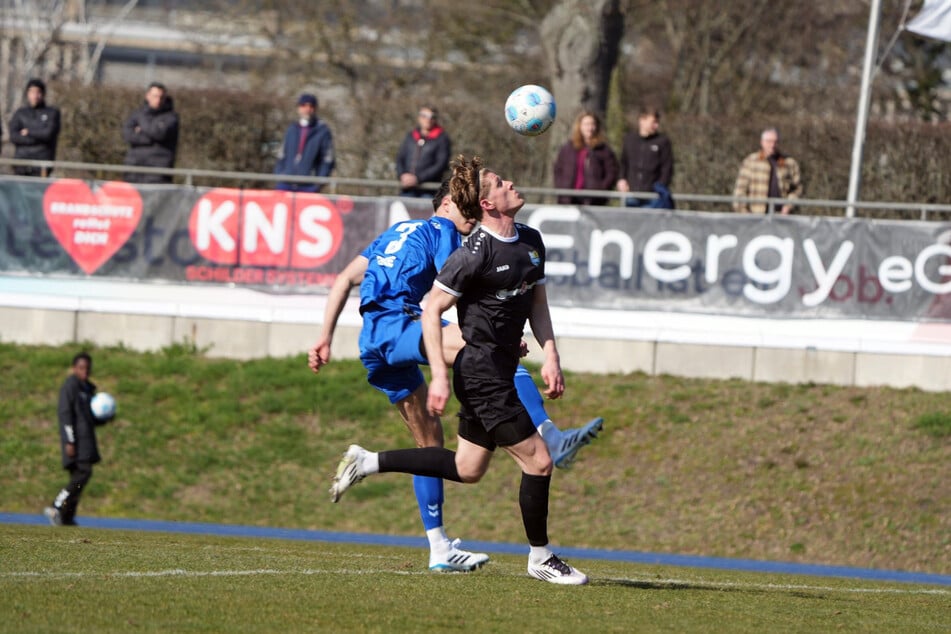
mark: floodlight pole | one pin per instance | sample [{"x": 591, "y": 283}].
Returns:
[{"x": 868, "y": 69}]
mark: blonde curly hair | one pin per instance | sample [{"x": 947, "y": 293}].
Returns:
[{"x": 465, "y": 186}]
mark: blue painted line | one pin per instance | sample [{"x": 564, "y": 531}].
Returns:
[{"x": 627, "y": 556}]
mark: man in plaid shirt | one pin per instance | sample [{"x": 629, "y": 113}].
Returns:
[{"x": 767, "y": 173}]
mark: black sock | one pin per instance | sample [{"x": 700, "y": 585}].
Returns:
[
  {"x": 436, "y": 462},
  {"x": 533, "y": 500}
]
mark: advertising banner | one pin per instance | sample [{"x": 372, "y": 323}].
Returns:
[
  {"x": 598, "y": 257},
  {"x": 789, "y": 266},
  {"x": 272, "y": 240}
]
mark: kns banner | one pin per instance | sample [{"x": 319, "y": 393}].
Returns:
[
  {"x": 281, "y": 241},
  {"x": 597, "y": 257}
]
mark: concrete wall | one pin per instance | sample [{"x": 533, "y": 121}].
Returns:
[
  {"x": 37, "y": 326},
  {"x": 246, "y": 339}
]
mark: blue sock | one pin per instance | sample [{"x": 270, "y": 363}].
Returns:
[
  {"x": 530, "y": 396},
  {"x": 429, "y": 495}
]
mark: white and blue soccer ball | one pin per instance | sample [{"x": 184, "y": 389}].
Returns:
[
  {"x": 530, "y": 110},
  {"x": 103, "y": 406}
]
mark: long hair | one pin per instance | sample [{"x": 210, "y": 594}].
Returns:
[
  {"x": 465, "y": 186},
  {"x": 577, "y": 140}
]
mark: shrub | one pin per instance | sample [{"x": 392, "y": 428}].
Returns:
[{"x": 937, "y": 424}]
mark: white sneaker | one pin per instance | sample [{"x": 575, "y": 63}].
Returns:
[
  {"x": 564, "y": 448},
  {"x": 554, "y": 570},
  {"x": 348, "y": 472},
  {"x": 53, "y": 515},
  {"x": 455, "y": 559}
]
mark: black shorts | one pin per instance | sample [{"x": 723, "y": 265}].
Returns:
[
  {"x": 504, "y": 434},
  {"x": 490, "y": 414},
  {"x": 488, "y": 399}
]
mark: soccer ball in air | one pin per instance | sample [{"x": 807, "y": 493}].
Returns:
[
  {"x": 103, "y": 406},
  {"x": 530, "y": 110}
]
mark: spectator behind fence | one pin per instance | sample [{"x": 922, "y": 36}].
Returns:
[
  {"x": 34, "y": 130},
  {"x": 308, "y": 148},
  {"x": 585, "y": 162},
  {"x": 152, "y": 134},
  {"x": 647, "y": 162},
  {"x": 423, "y": 156},
  {"x": 767, "y": 173}
]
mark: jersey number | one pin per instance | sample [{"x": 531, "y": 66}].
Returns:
[{"x": 405, "y": 230}]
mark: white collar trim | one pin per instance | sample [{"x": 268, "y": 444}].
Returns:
[{"x": 498, "y": 237}]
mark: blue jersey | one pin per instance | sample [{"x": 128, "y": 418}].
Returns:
[{"x": 404, "y": 260}]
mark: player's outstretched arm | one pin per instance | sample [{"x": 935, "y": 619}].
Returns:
[
  {"x": 540, "y": 321},
  {"x": 439, "y": 301},
  {"x": 352, "y": 275}
]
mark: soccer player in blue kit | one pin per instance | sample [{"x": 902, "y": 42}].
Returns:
[
  {"x": 394, "y": 273},
  {"x": 498, "y": 281}
]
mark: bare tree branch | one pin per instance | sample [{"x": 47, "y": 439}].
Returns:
[{"x": 102, "y": 35}]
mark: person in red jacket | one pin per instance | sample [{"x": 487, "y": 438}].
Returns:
[
  {"x": 423, "y": 156},
  {"x": 585, "y": 162}
]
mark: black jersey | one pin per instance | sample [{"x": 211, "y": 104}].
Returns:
[{"x": 493, "y": 278}]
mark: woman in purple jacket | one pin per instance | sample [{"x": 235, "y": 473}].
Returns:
[{"x": 585, "y": 162}]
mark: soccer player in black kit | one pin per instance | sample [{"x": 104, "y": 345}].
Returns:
[{"x": 496, "y": 280}]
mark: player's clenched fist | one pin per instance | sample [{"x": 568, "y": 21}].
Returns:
[{"x": 318, "y": 356}]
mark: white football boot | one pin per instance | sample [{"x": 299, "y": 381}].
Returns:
[
  {"x": 53, "y": 515},
  {"x": 348, "y": 472},
  {"x": 554, "y": 570},
  {"x": 454, "y": 559}
]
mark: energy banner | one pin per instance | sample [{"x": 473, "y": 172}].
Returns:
[{"x": 724, "y": 263}]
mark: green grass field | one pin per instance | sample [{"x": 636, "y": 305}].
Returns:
[
  {"x": 797, "y": 473},
  {"x": 84, "y": 580}
]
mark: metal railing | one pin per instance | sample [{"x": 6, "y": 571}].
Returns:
[{"x": 363, "y": 186}]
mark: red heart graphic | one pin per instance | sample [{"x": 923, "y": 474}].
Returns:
[{"x": 91, "y": 226}]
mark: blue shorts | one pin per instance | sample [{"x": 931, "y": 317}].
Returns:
[{"x": 391, "y": 349}]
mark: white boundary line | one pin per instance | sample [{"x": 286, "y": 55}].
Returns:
[{"x": 649, "y": 583}]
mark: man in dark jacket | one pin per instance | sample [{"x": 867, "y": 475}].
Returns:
[
  {"x": 308, "y": 148},
  {"x": 423, "y": 156},
  {"x": 647, "y": 161},
  {"x": 34, "y": 130},
  {"x": 152, "y": 134},
  {"x": 77, "y": 434}
]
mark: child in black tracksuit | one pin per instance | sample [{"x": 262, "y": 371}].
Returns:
[{"x": 77, "y": 432}]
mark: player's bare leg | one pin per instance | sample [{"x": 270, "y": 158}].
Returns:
[
  {"x": 452, "y": 343},
  {"x": 426, "y": 428},
  {"x": 445, "y": 554}
]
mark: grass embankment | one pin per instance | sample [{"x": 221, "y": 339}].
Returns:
[{"x": 805, "y": 473}]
